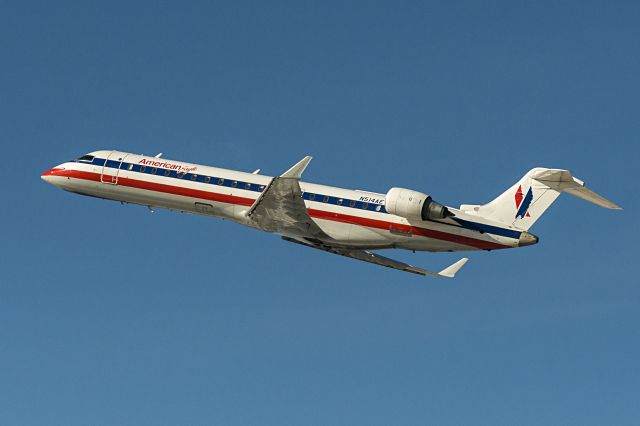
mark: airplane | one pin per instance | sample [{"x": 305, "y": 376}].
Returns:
[{"x": 346, "y": 222}]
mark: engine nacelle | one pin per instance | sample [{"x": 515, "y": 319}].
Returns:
[{"x": 414, "y": 205}]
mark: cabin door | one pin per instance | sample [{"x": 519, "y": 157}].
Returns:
[{"x": 111, "y": 168}]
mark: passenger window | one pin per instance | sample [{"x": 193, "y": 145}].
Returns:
[
  {"x": 207, "y": 179},
  {"x": 365, "y": 206},
  {"x": 261, "y": 188},
  {"x": 234, "y": 183},
  {"x": 325, "y": 199},
  {"x": 153, "y": 171},
  {"x": 194, "y": 177},
  {"x": 339, "y": 202},
  {"x": 142, "y": 169},
  {"x": 352, "y": 203},
  {"x": 378, "y": 207},
  {"x": 167, "y": 172},
  {"x": 220, "y": 181},
  {"x": 247, "y": 186},
  {"x": 180, "y": 175},
  {"x": 130, "y": 167},
  {"x": 312, "y": 197}
]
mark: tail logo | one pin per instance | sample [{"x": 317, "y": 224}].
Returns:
[{"x": 523, "y": 202}]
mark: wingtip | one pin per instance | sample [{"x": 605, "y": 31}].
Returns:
[
  {"x": 297, "y": 169},
  {"x": 450, "y": 271}
]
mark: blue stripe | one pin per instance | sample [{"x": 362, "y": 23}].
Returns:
[
  {"x": 344, "y": 202},
  {"x": 309, "y": 196},
  {"x": 230, "y": 183},
  {"x": 489, "y": 229}
]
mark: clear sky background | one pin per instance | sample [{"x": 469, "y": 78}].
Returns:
[{"x": 115, "y": 315}]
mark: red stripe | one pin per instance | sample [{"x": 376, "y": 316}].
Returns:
[
  {"x": 423, "y": 232},
  {"x": 160, "y": 187},
  {"x": 319, "y": 214},
  {"x": 77, "y": 174}
]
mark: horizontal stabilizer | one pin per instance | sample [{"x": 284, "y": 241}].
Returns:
[
  {"x": 524, "y": 202},
  {"x": 563, "y": 181}
]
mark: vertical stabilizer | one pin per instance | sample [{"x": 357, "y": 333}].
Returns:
[{"x": 525, "y": 202}]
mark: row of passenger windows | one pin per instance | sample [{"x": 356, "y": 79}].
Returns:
[
  {"x": 340, "y": 201},
  {"x": 249, "y": 186},
  {"x": 241, "y": 185},
  {"x": 343, "y": 202},
  {"x": 197, "y": 178}
]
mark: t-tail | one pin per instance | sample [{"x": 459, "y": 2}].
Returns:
[{"x": 524, "y": 203}]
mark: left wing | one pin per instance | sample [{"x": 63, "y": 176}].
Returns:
[
  {"x": 281, "y": 209},
  {"x": 376, "y": 259}
]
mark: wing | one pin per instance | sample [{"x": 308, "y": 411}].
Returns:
[
  {"x": 376, "y": 259},
  {"x": 281, "y": 209}
]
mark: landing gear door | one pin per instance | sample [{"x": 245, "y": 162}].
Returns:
[{"x": 111, "y": 168}]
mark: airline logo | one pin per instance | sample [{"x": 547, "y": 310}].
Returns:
[
  {"x": 166, "y": 165},
  {"x": 523, "y": 202}
]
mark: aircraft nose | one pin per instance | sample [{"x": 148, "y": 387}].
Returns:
[
  {"x": 49, "y": 174},
  {"x": 527, "y": 239}
]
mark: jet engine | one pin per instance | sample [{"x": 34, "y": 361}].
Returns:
[{"x": 414, "y": 205}]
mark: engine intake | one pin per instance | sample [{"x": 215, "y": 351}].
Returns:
[{"x": 414, "y": 205}]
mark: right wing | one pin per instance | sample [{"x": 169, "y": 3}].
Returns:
[{"x": 376, "y": 259}]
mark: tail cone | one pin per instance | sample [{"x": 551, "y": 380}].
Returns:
[{"x": 527, "y": 239}]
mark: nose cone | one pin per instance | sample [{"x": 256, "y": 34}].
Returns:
[
  {"x": 50, "y": 174},
  {"x": 46, "y": 176},
  {"x": 527, "y": 239}
]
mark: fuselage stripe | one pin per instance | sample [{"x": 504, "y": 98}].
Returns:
[
  {"x": 314, "y": 213},
  {"x": 402, "y": 228},
  {"x": 174, "y": 173}
]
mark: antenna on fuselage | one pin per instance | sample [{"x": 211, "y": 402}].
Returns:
[
  {"x": 255, "y": 172},
  {"x": 158, "y": 155}
]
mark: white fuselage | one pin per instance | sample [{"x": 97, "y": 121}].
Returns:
[{"x": 352, "y": 218}]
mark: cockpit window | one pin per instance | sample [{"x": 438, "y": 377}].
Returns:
[{"x": 86, "y": 158}]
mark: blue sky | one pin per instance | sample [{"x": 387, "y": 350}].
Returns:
[{"x": 114, "y": 315}]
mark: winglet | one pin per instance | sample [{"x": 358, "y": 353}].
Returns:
[
  {"x": 296, "y": 170},
  {"x": 450, "y": 271}
]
